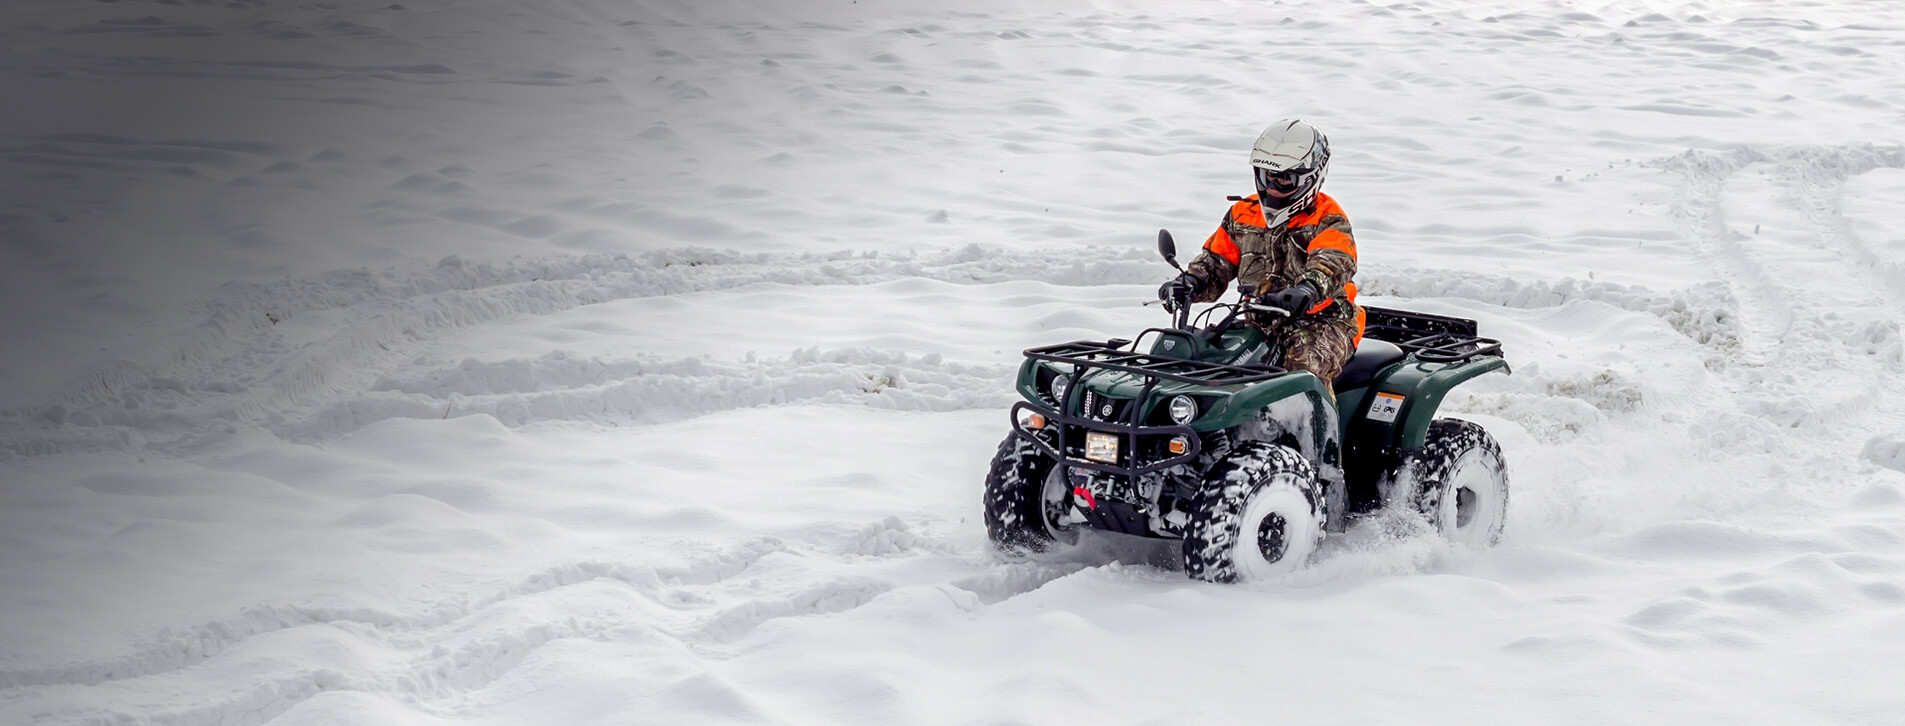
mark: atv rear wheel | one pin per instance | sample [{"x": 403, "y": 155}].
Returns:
[
  {"x": 1259, "y": 514},
  {"x": 1025, "y": 496},
  {"x": 1460, "y": 483}
]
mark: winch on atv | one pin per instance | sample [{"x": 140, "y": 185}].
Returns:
[{"x": 1189, "y": 432}]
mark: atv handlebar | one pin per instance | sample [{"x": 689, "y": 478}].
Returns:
[
  {"x": 1256, "y": 307},
  {"x": 1181, "y": 314},
  {"x": 1180, "y": 308}
]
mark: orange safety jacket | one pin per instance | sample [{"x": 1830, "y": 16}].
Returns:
[{"x": 1315, "y": 245}]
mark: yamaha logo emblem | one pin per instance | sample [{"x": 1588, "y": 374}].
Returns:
[{"x": 1105, "y": 410}]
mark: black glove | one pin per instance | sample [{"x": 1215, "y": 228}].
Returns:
[
  {"x": 1295, "y": 299},
  {"x": 1179, "y": 290}
]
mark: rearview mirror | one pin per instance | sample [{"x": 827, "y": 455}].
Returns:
[{"x": 1168, "y": 248}]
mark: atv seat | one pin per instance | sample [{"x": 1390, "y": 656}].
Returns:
[{"x": 1371, "y": 357}]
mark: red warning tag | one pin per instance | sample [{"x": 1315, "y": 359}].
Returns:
[{"x": 1084, "y": 495}]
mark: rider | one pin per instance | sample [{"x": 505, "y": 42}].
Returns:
[{"x": 1292, "y": 244}]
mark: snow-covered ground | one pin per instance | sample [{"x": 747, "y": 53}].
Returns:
[{"x": 578, "y": 361}]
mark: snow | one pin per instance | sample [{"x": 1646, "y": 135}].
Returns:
[{"x": 582, "y": 362}]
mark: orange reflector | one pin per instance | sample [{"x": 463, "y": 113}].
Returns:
[
  {"x": 1179, "y": 445},
  {"x": 1035, "y": 421}
]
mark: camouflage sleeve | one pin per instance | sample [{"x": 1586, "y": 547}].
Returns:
[
  {"x": 1214, "y": 274},
  {"x": 1216, "y": 266},
  {"x": 1330, "y": 271},
  {"x": 1332, "y": 258}
]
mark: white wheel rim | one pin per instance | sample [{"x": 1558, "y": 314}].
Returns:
[
  {"x": 1050, "y": 494},
  {"x": 1471, "y": 508},
  {"x": 1299, "y": 531}
]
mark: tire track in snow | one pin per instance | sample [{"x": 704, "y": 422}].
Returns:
[
  {"x": 1824, "y": 175},
  {"x": 825, "y": 598},
  {"x": 241, "y": 367},
  {"x": 173, "y": 650},
  {"x": 447, "y": 650},
  {"x": 1821, "y": 334},
  {"x": 248, "y": 363},
  {"x": 1766, "y": 311},
  {"x": 1702, "y": 313},
  {"x": 1814, "y": 182},
  {"x": 651, "y": 389},
  {"x": 439, "y": 673},
  {"x": 440, "y": 654}
]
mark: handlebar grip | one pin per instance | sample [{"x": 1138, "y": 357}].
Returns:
[{"x": 1255, "y": 308}]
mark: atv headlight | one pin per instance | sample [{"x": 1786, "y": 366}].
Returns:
[
  {"x": 1183, "y": 409},
  {"x": 1058, "y": 387},
  {"x": 1101, "y": 447}
]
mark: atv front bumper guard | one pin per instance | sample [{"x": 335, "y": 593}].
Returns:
[
  {"x": 1087, "y": 357},
  {"x": 1129, "y": 434}
]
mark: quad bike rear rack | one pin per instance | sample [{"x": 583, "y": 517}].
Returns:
[{"x": 1430, "y": 338}]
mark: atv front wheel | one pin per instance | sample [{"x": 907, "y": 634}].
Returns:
[
  {"x": 1259, "y": 514},
  {"x": 1025, "y": 496},
  {"x": 1460, "y": 483}
]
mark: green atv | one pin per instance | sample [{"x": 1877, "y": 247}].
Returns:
[{"x": 1191, "y": 434}]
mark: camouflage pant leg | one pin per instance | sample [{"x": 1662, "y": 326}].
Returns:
[{"x": 1320, "y": 345}]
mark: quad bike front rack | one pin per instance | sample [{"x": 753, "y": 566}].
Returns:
[
  {"x": 1106, "y": 355},
  {"x": 1126, "y": 417}
]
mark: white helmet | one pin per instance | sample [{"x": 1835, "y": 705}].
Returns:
[{"x": 1289, "y": 162}]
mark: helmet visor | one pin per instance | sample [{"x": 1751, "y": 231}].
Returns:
[{"x": 1279, "y": 189}]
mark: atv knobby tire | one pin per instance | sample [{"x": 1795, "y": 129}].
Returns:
[
  {"x": 1024, "y": 494},
  {"x": 1460, "y": 483},
  {"x": 1259, "y": 514}
]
